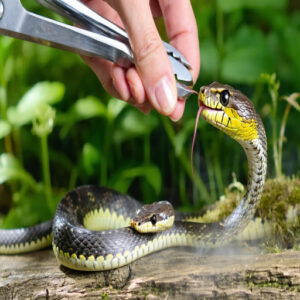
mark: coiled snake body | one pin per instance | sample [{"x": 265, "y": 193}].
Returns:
[{"x": 78, "y": 244}]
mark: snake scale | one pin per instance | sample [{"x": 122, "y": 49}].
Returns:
[{"x": 74, "y": 231}]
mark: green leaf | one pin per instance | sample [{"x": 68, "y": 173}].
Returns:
[
  {"x": 90, "y": 158},
  {"x": 153, "y": 177},
  {"x": 6, "y": 44},
  {"x": 8, "y": 69},
  {"x": 122, "y": 179},
  {"x": 31, "y": 210},
  {"x": 43, "y": 121},
  {"x": 83, "y": 109},
  {"x": 10, "y": 169},
  {"x": 20, "y": 216},
  {"x": 291, "y": 45},
  {"x": 211, "y": 63},
  {"x": 122, "y": 184},
  {"x": 46, "y": 92},
  {"x": 42, "y": 92},
  {"x": 5, "y": 129},
  {"x": 87, "y": 108},
  {"x": 132, "y": 124},
  {"x": 115, "y": 107},
  {"x": 246, "y": 56}
]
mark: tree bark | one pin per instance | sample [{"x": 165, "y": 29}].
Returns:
[{"x": 176, "y": 273}]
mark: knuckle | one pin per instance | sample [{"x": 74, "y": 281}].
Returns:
[{"x": 150, "y": 46}]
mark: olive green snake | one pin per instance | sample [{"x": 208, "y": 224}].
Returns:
[{"x": 75, "y": 232}]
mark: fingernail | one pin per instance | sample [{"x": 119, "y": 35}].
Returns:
[
  {"x": 133, "y": 90},
  {"x": 165, "y": 95},
  {"x": 175, "y": 119},
  {"x": 115, "y": 86}
]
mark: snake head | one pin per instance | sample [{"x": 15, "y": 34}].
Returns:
[
  {"x": 154, "y": 217},
  {"x": 229, "y": 110}
]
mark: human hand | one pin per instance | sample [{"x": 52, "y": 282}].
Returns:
[{"x": 151, "y": 83}]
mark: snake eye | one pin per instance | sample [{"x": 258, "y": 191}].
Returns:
[
  {"x": 224, "y": 97},
  {"x": 153, "y": 219}
]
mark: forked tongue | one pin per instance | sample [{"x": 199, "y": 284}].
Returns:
[{"x": 194, "y": 136}]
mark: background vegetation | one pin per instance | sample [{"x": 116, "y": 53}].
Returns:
[{"x": 59, "y": 129}]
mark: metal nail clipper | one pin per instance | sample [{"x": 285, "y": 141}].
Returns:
[{"x": 97, "y": 36}]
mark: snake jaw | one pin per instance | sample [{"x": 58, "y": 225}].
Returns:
[
  {"x": 228, "y": 117},
  {"x": 213, "y": 112}
]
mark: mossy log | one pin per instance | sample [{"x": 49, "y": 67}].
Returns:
[{"x": 177, "y": 273}]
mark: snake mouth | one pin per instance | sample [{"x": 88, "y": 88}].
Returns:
[
  {"x": 214, "y": 115},
  {"x": 204, "y": 108},
  {"x": 205, "y": 103}
]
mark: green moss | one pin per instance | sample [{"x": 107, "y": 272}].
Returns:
[
  {"x": 104, "y": 296},
  {"x": 254, "y": 280},
  {"x": 277, "y": 285},
  {"x": 279, "y": 205},
  {"x": 274, "y": 284}
]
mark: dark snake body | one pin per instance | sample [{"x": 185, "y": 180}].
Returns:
[{"x": 80, "y": 248}]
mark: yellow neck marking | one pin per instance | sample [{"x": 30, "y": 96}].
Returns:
[{"x": 240, "y": 127}]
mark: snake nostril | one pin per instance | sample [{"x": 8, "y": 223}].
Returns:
[{"x": 202, "y": 90}]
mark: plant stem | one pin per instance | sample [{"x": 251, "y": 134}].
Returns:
[
  {"x": 147, "y": 149},
  {"x": 8, "y": 144},
  {"x": 281, "y": 136},
  {"x": 182, "y": 189},
  {"x": 218, "y": 174},
  {"x": 106, "y": 154},
  {"x": 16, "y": 134},
  {"x": 46, "y": 170},
  {"x": 210, "y": 172},
  {"x": 274, "y": 97},
  {"x": 184, "y": 160},
  {"x": 3, "y": 102},
  {"x": 73, "y": 178}
]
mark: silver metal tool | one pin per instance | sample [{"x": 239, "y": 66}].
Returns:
[
  {"x": 79, "y": 13},
  {"x": 101, "y": 38}
]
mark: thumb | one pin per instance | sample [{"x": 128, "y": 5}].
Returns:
[{"x": 151, "y": 59}]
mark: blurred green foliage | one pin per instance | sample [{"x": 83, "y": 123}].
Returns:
[{"x": 60, "y": 129}]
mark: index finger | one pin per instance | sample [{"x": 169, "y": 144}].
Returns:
[{"x": 182, "y": 30}]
